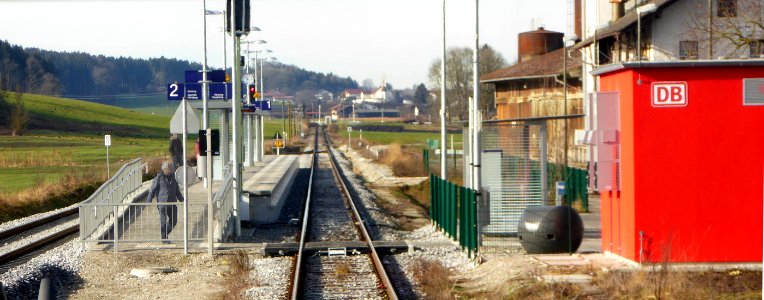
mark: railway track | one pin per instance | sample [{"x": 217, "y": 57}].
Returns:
[
  {"x": 24, "y": 242},
  {"x": 330, "y": 214}
]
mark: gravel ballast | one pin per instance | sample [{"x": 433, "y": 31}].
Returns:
[{"x": 61, "y": 264}]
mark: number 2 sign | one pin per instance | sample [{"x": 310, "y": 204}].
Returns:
[{"x": 175, "y": 91}]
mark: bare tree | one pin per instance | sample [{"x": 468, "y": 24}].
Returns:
[
  {"x": 729, "y": 28},
  {"x": 459, "y": 79},
  {"x": 19, "y": 117}
]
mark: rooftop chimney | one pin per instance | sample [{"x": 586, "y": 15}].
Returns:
[{"x": 618, "y": 9}]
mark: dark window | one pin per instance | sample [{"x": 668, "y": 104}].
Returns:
[
  {"x": 688, "y": 49},
  {"x": 726, "y": 8},
  {"x": 756, "y": 49}
]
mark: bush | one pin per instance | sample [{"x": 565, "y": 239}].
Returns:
[
  {"x": 18, "y": 120},
  {"x": 403, "y": 163}
]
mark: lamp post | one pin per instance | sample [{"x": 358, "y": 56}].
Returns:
[
  {"x": 205, "y": 127},
  {"x": 566, "y": 42},
  {"x": 251, "y": 154}
]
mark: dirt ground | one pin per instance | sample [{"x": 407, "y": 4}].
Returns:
[{"x": 106, "y": 275}]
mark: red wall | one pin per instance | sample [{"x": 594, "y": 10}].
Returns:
[{"x": 691, "y": 176}]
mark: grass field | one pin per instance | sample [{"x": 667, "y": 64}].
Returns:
[
  {"x": 411, "y": 136},
  {"x": 67, "y": 137},
  {"x": 152, "y": 104},
  {"x": 68, "y": 115},
  {"x": 45, "y": 156}
]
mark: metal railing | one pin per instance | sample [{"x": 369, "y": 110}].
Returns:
[
  {"x": 114, "y": 214},
  {"x": 96, "y": 213},
  {"x": 224, "y": 206},
  {"x": 142, "y": 222}
]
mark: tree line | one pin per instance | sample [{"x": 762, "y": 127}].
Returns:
[
  {"x": 290, "y": 80},
  {"x": 83, "y": 75},
  {"x": 73, "y": 74}
]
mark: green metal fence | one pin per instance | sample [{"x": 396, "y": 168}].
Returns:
[
  {"x": 453, "y": 209},
  {"x": 426, "y": 160},
  {"x": 576, "y": 180}
]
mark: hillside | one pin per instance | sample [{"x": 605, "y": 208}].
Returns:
[
  {"x": 68, "y": 115},
  {"x": 106, "y": 79}
]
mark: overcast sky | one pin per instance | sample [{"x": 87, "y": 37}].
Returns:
[{"x": 395, "y": 39}]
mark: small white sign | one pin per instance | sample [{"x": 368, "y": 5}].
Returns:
[
  {"x": 669, "y": 94},
  {"x": 350, "y": 129},
  {"x": 107, "y": 140}
]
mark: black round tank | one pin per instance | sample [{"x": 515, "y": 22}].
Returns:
[{"x": 550, "y": 229}]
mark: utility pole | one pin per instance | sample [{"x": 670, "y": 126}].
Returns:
[
  {"x": 443, "y": 152},
  {"x": 476, "y": 113},
  {"x": 236, "y": 121}
]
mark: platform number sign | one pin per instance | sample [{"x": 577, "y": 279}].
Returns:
[
  {"x": 107, "y": 140},
  {"x": 669, "y": 94},
  {"x": 175, "y": 91}
]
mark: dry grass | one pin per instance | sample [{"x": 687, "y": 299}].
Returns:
[
  {"x": 532, "y": 289},
  {"x": 402, "y": 162},
  {"x": 238, "y": 275},
  {"x": 46, "y": 196},
  {"x": 37, "y": 158},
  {"x": 333, "y": 128},
  {"x": 664, "y": 284},
  {"x": 434, "y": 279},
  {"x": 154, "y": 166},
  {"x": 419, "y": 194}
]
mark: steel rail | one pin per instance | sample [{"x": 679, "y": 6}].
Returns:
[
  {"x": 390, "y": 291},
  {"x": 39, "y": 222},
  {"x": 297, "y": 274},
  {"x": 32, "y": 247}
]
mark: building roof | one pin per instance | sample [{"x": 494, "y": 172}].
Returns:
[
  {"x": 545, "y": 65},
  {"x": 622, "y": 23},
  {"x": 353, "y": 91},
  {"x": 679, "y": 64}
]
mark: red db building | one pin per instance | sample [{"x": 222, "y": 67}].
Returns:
[{"x": 680, "y": 160}]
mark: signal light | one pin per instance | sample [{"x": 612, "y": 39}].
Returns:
[{"x": 252, "y": 92}]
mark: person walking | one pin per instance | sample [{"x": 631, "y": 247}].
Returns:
[
  {"x": 167, "y": 191},
  {"x": 176, "y": 151}
]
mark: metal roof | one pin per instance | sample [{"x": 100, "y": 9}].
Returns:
[
  {"x": 622, "y": 23},
  {"x": 679, "y": 64}
]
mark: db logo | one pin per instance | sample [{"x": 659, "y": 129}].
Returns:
[{"x": 667, "y": 94}]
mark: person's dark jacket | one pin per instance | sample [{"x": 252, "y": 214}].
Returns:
[
  {"x": 176, "y": 148},
  {"x": 165, "y": 188}
]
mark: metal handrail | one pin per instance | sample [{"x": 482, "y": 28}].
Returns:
[
  {"x": 125, "y": 181},
  {"x": 224, "y": 208}
]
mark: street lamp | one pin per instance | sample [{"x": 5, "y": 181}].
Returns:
[{"x": 647, "y": 8}]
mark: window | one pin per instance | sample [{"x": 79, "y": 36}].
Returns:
[
  {"x": 726, "y": 8},
  {"x": 752, "y": 91},
  {"x": 688, "y": 50},
  {"x": 756, "y": 49}
]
